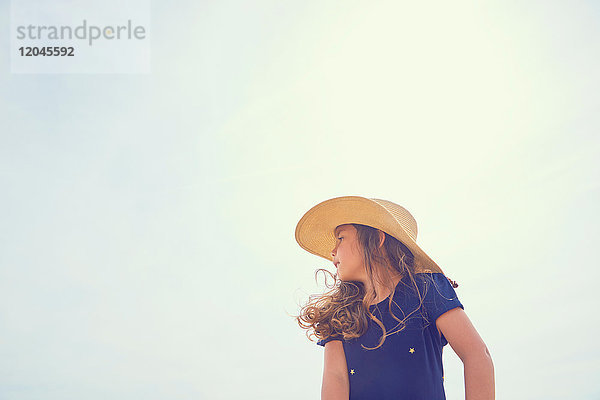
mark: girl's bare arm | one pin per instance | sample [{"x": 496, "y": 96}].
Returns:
[
  {"x": 336, "y": 385},
  {"x": 468, "y": 345}
]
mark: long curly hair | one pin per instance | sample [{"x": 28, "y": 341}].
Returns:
[{"x": 344, "y": 309}]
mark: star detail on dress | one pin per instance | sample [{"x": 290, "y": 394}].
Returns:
[
  {"x": 411, "y": 351},
  {"x": 352, "y": 371}
]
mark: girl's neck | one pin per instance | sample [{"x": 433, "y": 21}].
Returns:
[{"x": 382, "y": 292}]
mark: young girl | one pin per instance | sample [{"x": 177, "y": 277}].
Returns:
[{"x": 392, "y": 310}]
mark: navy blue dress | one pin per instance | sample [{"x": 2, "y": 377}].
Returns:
[{"x": 408, "y": 366}]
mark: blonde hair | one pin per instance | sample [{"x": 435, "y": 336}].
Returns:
[{"x": 344, "y": 309}]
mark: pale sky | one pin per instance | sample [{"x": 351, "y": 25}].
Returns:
[{"x": 147, "y": 221}]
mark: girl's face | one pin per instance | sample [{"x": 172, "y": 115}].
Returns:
[{"x": 347, "y": 255}]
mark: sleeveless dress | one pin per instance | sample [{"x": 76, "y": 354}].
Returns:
[{"x": 408, "y": 366}]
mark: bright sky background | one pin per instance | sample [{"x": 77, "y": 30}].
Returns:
[{"x": 147, "y": 221}]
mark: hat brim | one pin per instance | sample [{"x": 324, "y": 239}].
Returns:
[{"x": 315, "y": 230}]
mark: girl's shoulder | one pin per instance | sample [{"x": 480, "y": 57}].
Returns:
[
  {"x": 435, "y": 278},
  {"x": 433, "y": 288},
  {"x": 438, "y": 294}
]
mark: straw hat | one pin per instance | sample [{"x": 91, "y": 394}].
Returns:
[{"x": 314, "y": 232}]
